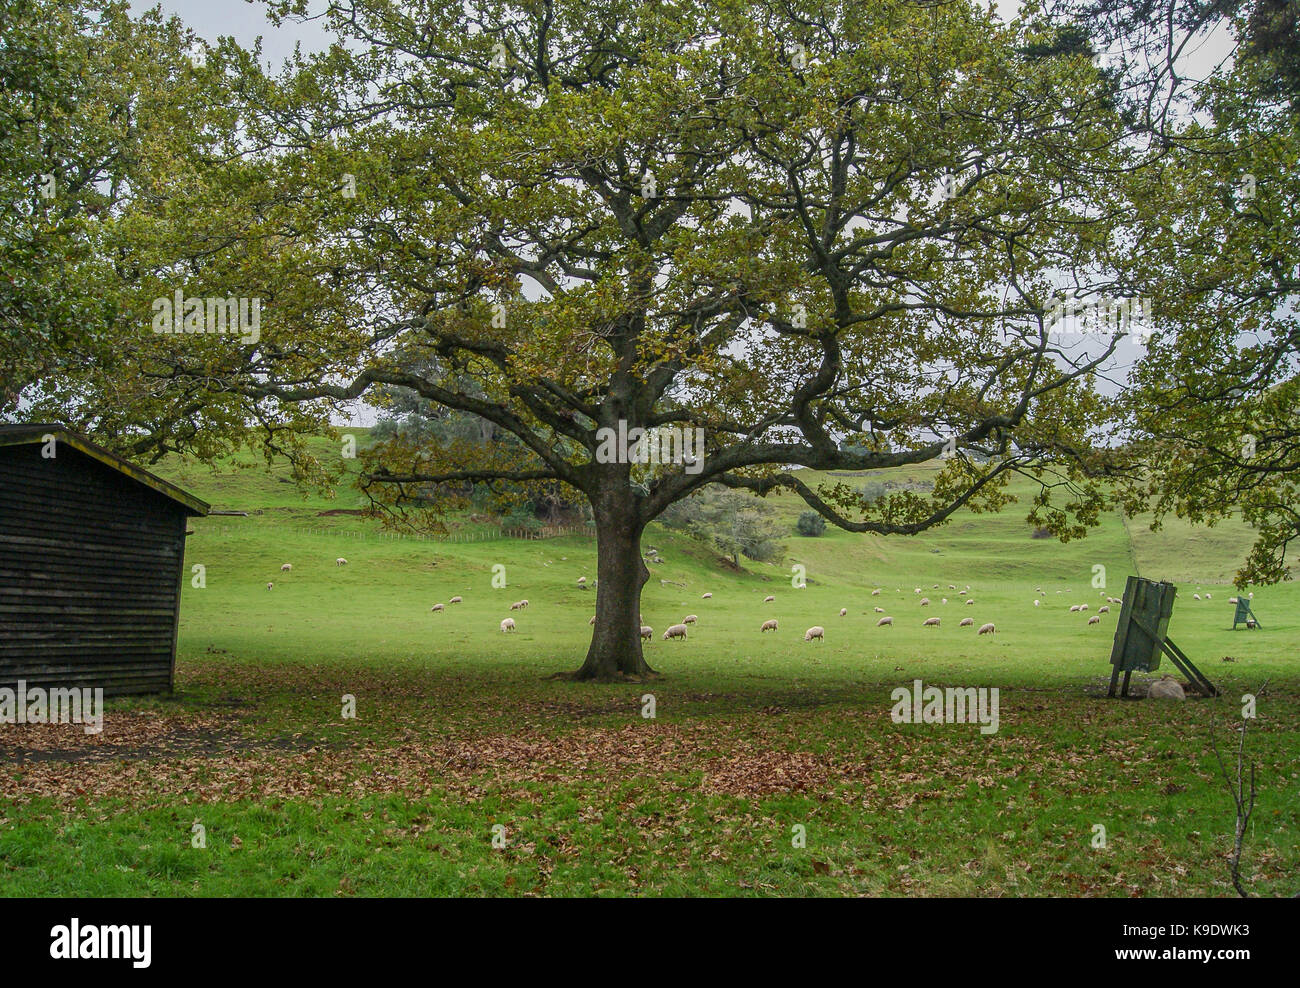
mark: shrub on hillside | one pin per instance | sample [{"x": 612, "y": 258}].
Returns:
[{"x": 810, "y": 524}]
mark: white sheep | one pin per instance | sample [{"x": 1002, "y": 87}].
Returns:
[
  {"x": 883, "y": 621},
  {"x": 582, "y": 579},
  {"x": 1232, "y": 600},
  {"x": 689, "y": 619},
  {"x": 816, "y": 631},
  {"x": 843, "y": 611},
  {"x": 876, "y": 592},
  {"x": 1083, "y": 607},
  {"x": 970, "y": 601},
  {"x": 930, "y": 623},
  {"x": 647, "y": 632},
  {"x": 507, "y": 624},
  {"x": 288, "y": 566},
  {"x": 768, "y": 625},
  {"x": 1094, "y": 620},
  {"x": 952, "y": 586},
  {"x": 880, "y": 610},
  {"x": 1196, "y": 596},
  {"x": 1209, "y": 596},
  {"x": 1074, "y": 608},
  {"x": 966, "y": 622},
  {"x": 768, "y": 599},
  {"x": 340, "y": 561},
  {"x": 917, "y": 590},
  {"x": 676, "y": 631},
  {"x": 925, "y": 601},
  {"x": 988, "y": 629},
  {"x": 944, "y": 600},
  {"x": 1103, "y": 609},
  {"x": 593, "y": 619},
  {"x": 454, "y": 600},
  {"x": 436, "y": 607},
  {"x": 269, "y": 586},
  {"x": 1035, "y": 603},
  {"x": 706, "y": 596},
  {"x": 518, "y": 605},
  {"x": 523, "y": 604}
]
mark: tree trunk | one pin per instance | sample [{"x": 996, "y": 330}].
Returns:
[{"x": 615, "y": 651}]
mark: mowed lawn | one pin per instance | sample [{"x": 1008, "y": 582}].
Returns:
[{"x": 771, "y": 766}]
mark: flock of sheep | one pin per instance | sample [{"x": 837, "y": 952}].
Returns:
[{"x": 816, "y": 632}]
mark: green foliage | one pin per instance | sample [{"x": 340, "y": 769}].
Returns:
[
  {"x": 733, "y": 523},
  {"x": 810, "y": 524}
]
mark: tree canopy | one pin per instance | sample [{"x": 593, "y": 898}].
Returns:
[{"x": 818, "y": 234}]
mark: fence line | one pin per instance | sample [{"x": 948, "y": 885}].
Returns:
[{"x": 479, "y": 535}]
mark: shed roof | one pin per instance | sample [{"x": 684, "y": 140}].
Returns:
[{"x": 21, "y": 435}]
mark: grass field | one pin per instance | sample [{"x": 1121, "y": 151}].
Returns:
[{"x": 460, "y": 736}]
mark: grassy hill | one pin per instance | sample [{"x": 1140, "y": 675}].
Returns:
[{"x": 459, "y": 729}]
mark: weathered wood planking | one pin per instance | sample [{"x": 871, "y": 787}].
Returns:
[{"x": 91, "y": 566}]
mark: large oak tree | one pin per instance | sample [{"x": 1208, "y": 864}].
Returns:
[{"x": 824, "y": 233}]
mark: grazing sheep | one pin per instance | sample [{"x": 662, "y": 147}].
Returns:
[
  {"x": 517, "y": 606},
  {"x": 340, "y": 561},
  {"x": 269, "y": 586},
  {"x": 1232, "y": 600},
  {"x": 816, "y": 631},
  {"x": 1166, "y": 688},
  {"x": 988, "y": 629},
  {"x": 1074, "y": 608},
  {"x": 952, "y": 586},
  {"x": 454, "y": 600},
  {"x": 436, "y": 607},
  {"x": 706, "y": 596},
  {"x": 1103, "y": 609},
  {"x": 676, "y": 631},
  {"x": 880, "y": 610},
  {"x": 1209, "y": 596},
  {"x": 935, "y": 587},
  {"x": 969, "y": 601},
  {"x": 1094, "y": 620},
  {"x": 1035, "y": 603},
  {"x": 930, "y": 623},
  {"x": 1083, "y": 607},
  {"x": 582, "y": 579},
  {"x": 884, "y": 621},
  {"x": 768, "y": 625},
  {"x": 288, "y": 566},
  {"x": 1196, "y": 596},
  {"x": 507, "y": 624},
  {"x": 768, "y": 599},
  {"x": 647, "y": 632},
  {"x": 876, "y": 592},
  {"x": 944, "y": 600},
  {"x": 925, "y": 601},
  {"x": 523, "y": 604},
  {"x": 843, "y": 611},
  {"x": 593, "y": 619},
  {"x": 917, "y": 590},
  {"x": 966, "y": 622},
  {"x": 690, "y": 619}
]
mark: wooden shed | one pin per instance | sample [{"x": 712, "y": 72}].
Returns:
[{"x": 92, "y": 555}]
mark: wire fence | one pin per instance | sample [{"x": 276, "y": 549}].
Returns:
[{"x": 494, "y": 534}]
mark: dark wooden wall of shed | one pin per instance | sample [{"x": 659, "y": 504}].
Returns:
[{"x": 90, "y": 571}]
